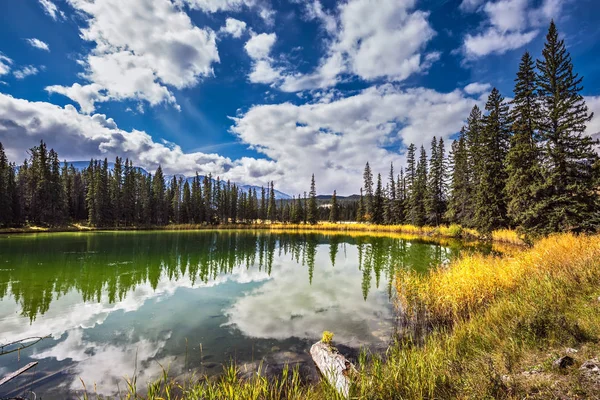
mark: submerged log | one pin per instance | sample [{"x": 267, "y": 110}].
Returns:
[
  {"x": 12, "y": 376},
  {"x": 333, "y": 366}
]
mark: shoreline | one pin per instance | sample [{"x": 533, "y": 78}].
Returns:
[{"x": 413, "y": 232}]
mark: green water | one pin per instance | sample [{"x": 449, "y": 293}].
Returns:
[{"x": 115, "y": 304}]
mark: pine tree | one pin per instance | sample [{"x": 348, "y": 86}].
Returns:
[
  {"x": 360, "y": 212},
  {"x": 368, "y": 185},
  {"x": 494, "y": 137},
  {"x": 459, "y": 202},
  {"x": 569, "y": 200},
  {"x": 186, "y": 204},
  {"x": 90, "y": 197},
  {"x": 524, "y": 172},
  {"x": 160, "y": 206},
  {"x": 416, "y": 209},
  {"x": 116, "y": 191},
  {"x": 334, "y": 212},
  {"x": 400, "y": 204},
  {"x": 378, "y": 203},
  {"x": 313, "y": 211},
  {"x": 272, "y": 208},
  {"x": 390, "y": 201},
  {"x": 207, "y": 203},
  {"x": 6, "y": 211},
  {"x": 263, "y": 204},
  {"x": 411, "y": 171},
  {"x": 435, "y": 204}
]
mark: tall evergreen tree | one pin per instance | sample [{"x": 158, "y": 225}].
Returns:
[
  {"x": 459, "y": 203},
  {"x": 435, "y": 204},
  {"x": 334, "y": 212},
  {"x": 411, "y": 169},
  {"x": 368, "y": 185},
  {"x": 524, "y": 172},
  {"x": 416, "y": 209},
  {"x": 272, "y": 208},
  {"x": 390, "y": 201},
  {"x": 569, "y": 199},
  {"x": 313, "y": 211},
  {"x": 400, "y": 203},
  {"x": 160, "y": 206},
  {"x": 361, "y": 211},
  {"x": 490, "y": 200},
  {"x": 378, "y": 203}
]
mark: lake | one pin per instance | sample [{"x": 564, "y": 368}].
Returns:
[{"x": 115, "y": 304}]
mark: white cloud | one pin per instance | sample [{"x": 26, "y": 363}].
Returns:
[
  {"x": 37, "y": 43},
  {"x": 213, "y": 6},
  {"x": 5, "y": 64},
  {"x": 494, "y": 42},
  {"x": 24, "y": 123},
  {"x": 234, "y": 27},
  {"x": 477, "y": 88},
  {"x": 510, "y": 24},
  {"x": 141, "y": 51},
  {"x": 335, "y": 137},
  {"x": 361, "y": 40},
  {"x": 26, "y": 71},
  {"x": 338, "y": 137},
  {"x": 259, "y": 46},
  {"x": 51, "y": 9},
  {"x": 263, "y": 72},
  {"x": 86, "y": 96}
]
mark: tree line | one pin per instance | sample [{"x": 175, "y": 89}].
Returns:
[
  {"x": 523, "y": 164},
  {"x": 43, "y": 191}
]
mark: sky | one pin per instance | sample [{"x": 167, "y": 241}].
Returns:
[{"x": 268, "y": 90}]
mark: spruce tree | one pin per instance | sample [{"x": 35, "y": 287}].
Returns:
[
  {"x": 411, "y": 170},
  {"x": 334, "y": 212},
  {"x": 360, "y": 212},
  {"x": 186, "y": 204},
  {"x": 400, "y": 203},
  {"x": 272, "y": 208},
  {"x": 6, "y": 212},
  {"x": 524, "y": 172},
  {"x": 368, "y": 185},
  {"x": 378, "y": 203},
  {"x": 160, "y": 207},
  {"x": 569, "y": 199},
  {"x": 435, "y": 204},
  {"x": 416, "y": 209},
  {"x": 313, "y": 211},
  {"x": 390, "y": 201},
  {"x": 494, "y": 137}
]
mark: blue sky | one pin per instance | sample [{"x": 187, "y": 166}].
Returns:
[{"x": 260, "y": 90}]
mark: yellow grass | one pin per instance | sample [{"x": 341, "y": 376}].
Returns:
[{"x": 468, "y": 284}]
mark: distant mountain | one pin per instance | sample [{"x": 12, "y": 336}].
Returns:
[
  {"x": 328, "y": 197},
  {"x": 81, "y": 165}
]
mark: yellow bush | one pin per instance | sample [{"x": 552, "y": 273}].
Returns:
[{"x": 453, "y": 292}]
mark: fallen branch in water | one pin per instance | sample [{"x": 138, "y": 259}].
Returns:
[{"x": 21, "y": 344}]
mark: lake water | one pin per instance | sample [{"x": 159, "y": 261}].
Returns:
[{"x": 115, "y": 304}]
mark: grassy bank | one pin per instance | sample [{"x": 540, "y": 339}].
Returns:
[
  {"x": 496, "y": 326},
  {"x": 451, "y": 231}
]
